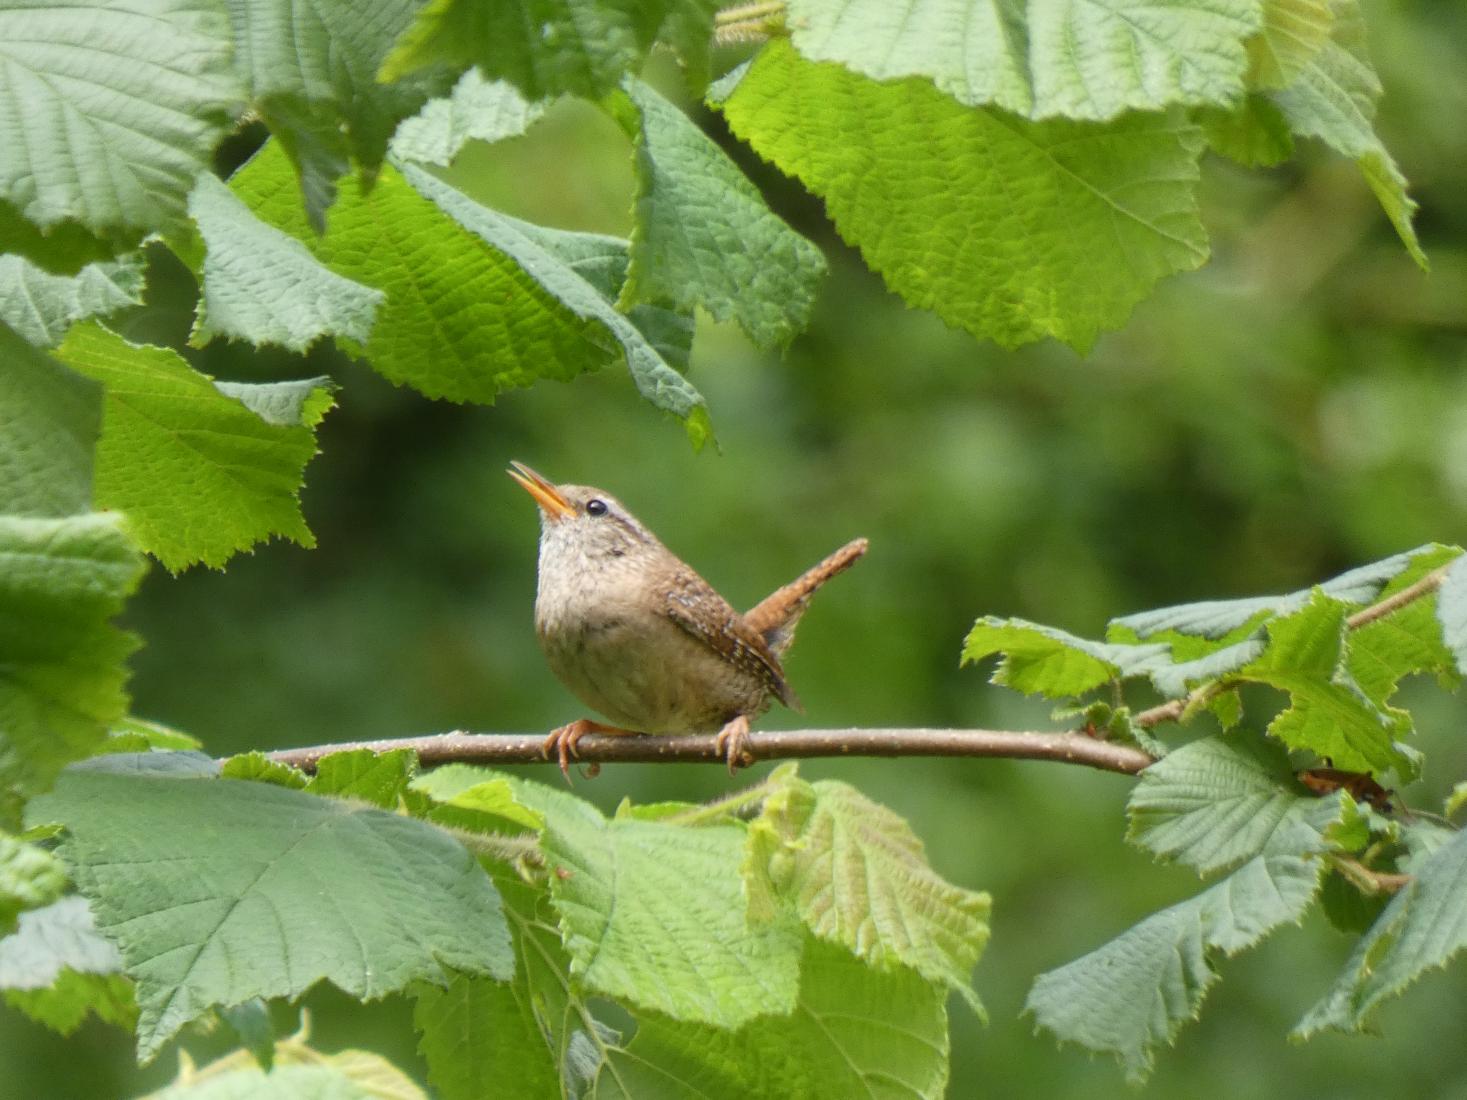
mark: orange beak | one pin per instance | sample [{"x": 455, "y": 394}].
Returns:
[{"x": 547, "y": 496}]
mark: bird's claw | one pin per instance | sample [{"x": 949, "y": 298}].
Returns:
[
  {"x": 561, "y": 744},
  {"x": 732, "y": 744}
]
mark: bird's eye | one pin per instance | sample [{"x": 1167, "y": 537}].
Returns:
[{"x": 595, "y": 507}]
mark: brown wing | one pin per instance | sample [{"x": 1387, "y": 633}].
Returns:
[
  {"x": 693, "y": 605},
  {"x": 775, "y": 617}
]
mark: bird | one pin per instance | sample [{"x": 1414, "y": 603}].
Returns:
[{"x": 645, "y": 641}]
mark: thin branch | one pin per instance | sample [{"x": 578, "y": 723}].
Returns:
[
  {"x": 525, "y": 748},
  {"x": 1367, "y": 879},
  {"x": 1426, "y": 585},
  {"x": 1173, "y": 709}
]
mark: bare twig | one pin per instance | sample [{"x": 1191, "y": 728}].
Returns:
[
  {"x": 526, "y": 748},
  {"x": 1367, "y": 879}
]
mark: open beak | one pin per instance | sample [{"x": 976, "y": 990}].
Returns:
[{"x": 547, "y": 496}]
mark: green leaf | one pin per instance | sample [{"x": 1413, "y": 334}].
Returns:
[
  {"x": 1451, "y": 612},
  {"x": 654, "y": 915},
  {"x": 704, "y": 235},
  {"x": 62, "y": 936},
  {"x": 1134, "y": 993},
  {"x": 1332, "y": 97},
  {"x": 298, "y": 1082},
  {"x": 1346, "y": 908},
  {"x": 482, "y": 1041},
  {"x": 310, "y": 68},
  {"x": 1217, "y": 619},
  {"x": 199, "y": 474},
  {"x": 1047, "y": 661},
  {"x": 473, "y": 309},
  {"x": 1293, "y": 33},
  {"x": 1084, "y": 59},
  {"x": 854, "y": 1031},
  {"x": 1423, "y": 927},
  {"x": 29, "y": 878},
  {"x": 1218, "y": 801},
  {"x": 544, "y": 47},
  {"x": 217, "y": 891},
  {"x": 265, "y": 287},
  {"x": 41, "y": 306},
  {"x": 1254, "y": 133},
  {"x": 61, "y": 663},
  {"x": 110, "y": 112},
  {"x": 65, "y": 1003},
  {"x": 52, "y": 418},
  {"x": 527, "y": 245},
  {"x": 476, "y": 799},
  {"x": 152, "y": 735},
  {"x": 364, "y": 775},
  {"x": 476, "y": 110},
  {"x": 1406, "y": 642},
  {"x": 858, "y": 876},
  {"x": 1062, "y": 226},
  {"x": 1328, "y": 714},
  {"x": 256, "y": 767}
]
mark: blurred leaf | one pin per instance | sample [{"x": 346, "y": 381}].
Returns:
[
  {"x": 200, "y": 475},
  {"x": 60, "y": 937},
  {"x": 251, "y": 1023},
  {"x": 110, "y": 112},
  {"x": 1254, "y": 133},
  {"x": 364, "y": 775},
  {"x": 1423, "y": 927},
  {"x": 1134, "y": 993},
  {"x": 310, "y": 68},
  {"x": 1045, "y": 660},
  {"x": 298, "y": 1082},
  {"x": 1332, "y": 97},
  {"x": 476, "y": 110},
  {"x": 265, "y": 287},
  {"x": 1085, "y": 59},
  {"x": 1221, "y": 800},
  {"x": 63, "y": 1005},
  {"x": 1067, "y": 225},
  {"x": 256, "y": 767},
  {"x": 213, "y": 891},
  {"x": 62, "y": 581},
  {"x": 29, "y": 878},
  {"x": 475, "y": 799},
  {"x": 151, "y": 735},
  {"x": 52, "y": 418},
  {"x": 1293, "y": 32},
  {"x": 1346, "y": 908},
  {"x": 704, "y": 235},
  {"x": 40, "y": 306},
  {"x": 1451, "y": 612},
  {"x": 858, "y": 876},
  {"x": 548, "y": 47},
  {"x": 654, "y": 915},
  {"x": 854, "y": 1031}
]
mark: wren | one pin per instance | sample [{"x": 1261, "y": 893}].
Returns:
[{"x": 642, "y": 638}]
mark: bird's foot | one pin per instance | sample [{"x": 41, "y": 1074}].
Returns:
[
  {"x": 732, "y": 743},
  {"x": 560, "y": 745}
]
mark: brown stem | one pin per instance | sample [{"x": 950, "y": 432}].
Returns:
[{"x": 528, "y": 748}]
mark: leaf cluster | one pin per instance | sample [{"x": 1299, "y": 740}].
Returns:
[
  {"x": 1244, "y": 803},
  {"x": 790, "y": 941}
]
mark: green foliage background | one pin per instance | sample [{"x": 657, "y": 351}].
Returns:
[{"x": 1296, "y": 407}]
